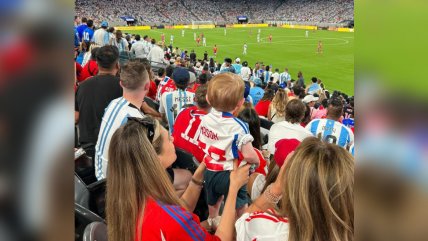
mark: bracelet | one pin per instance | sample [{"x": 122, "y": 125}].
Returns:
[
  {"x": 214, "y": 221},
  {"x": 270, "y": 196},
  {"x": 199, "y": 183}
]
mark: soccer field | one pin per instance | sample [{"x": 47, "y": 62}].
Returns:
[{"x": 289, "y": 48}]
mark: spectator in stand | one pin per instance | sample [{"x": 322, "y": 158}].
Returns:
[
  {"x": 167, "y": 84},
  {"x": 276, "y": 111},
  {"x": 138, "y": 48},
  {"x": 257, "y": 92},
  {"x": 152, "y": 214},
  {"x": 290, "y": 128},
  {"x": 91, "y": 67},
  {"x": 275, "y": 76},
  {"x": 101, "y": 36},
  {"x": 94, "y": 95},
  {"x": 119, "y": 42},
  {"x": 134, "y": 80},
  {"x": 88, "y": 33},
  {"x": 156, "y": 55},
  {"x": 153, "y": 89},
  {"x": 212, "y": 65},
  {"x": 188, "y": 122},
  {"x": 82, "y": 28},
  {"x": 284, "y": 78},
  {"x": 262, "y": 106},
  {"x": 314, "y": 87},
  {"x": 307, "y": 117},
  {"x": 227, "y": 66},
  {"x": 245, "y": 71},
  {"x": 317, "y": 176},
  {"x": 237, "y": 66},
  {"x": 330, "y": 129},
  {"x": 172, "y": 102},
  {"x": 300, "y": 80},
  {"x": 310, "y": 100}
]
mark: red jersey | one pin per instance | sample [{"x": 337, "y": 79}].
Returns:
[
  {"x": 215, "y": 49},
  {"x": 152, "y": 90},
  {"x": 170, "y": 223},
  {"x": 168, "y": 87},
  {"x": 89, "y": 70},
  {"x": 185, "y": 127},
  {"x": 262, "y": 107},
  {"x": 198, "y": 40}
]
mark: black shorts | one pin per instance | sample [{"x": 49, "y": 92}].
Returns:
[{"x": 217, "y": 184}]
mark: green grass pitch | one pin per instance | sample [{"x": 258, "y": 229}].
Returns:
[{"x": 289, "y": 48}]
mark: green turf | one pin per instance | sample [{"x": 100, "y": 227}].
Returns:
[{"x": 289, "y": 48}]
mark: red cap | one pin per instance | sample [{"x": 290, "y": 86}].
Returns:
[{"x": 284, "y": 147}]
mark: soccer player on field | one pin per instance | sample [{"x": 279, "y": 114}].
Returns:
[
  {"x": 259, "y": 31},
  {"x": 258, "y": 38},
  {"x": 215, "y": 50},
  {"x": 163, "y": 37},
  {"x": 194, "y": 36},
  {"x": 307, "y": 34},
  {"x": 270, "y": 38},
  {"x": 245, "y": 49},
  {"x": 224, "y": 31},
  {"x": 198, "y": 40},
  {"x": 204, "y": 41},
  {"x": 319, "y": 49},
  {"x": 182, "y": 33}
]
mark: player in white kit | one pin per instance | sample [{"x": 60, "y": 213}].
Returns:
[
  {"x": 307, "y": 33},
  {"x": 245, "y": 49},
  {"x": 172, "y": 39},
  {"x": 224, "y": 31},
  {"x": 194, "y": 36},
  {"x": 182, "y": 33},
  {"x": 258, "y": 38},
  {"x": 204, "y": 42}
]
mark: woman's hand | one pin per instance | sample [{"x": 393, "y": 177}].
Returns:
[{"x": 239, "y": 176}]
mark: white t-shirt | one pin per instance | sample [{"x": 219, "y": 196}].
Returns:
[
  {"x": 275, "y": 77},
  {"x": 245, "y": 73},
  {"x": 261, "y": 226},
  {"x": 331, "y": 131},
  {"x": 139, "y": 49},
  {"x": 286, "y": 130},
  {"x": 221, "y": 136}
]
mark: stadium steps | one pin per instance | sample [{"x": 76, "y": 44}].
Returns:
[{"x": 190, "y": 11}]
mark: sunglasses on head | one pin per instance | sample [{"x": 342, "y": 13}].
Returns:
[{"x": 148, "y": 123}]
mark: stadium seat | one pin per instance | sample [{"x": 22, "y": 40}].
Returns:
[
  {"x": 267, "y": 124},
  {"x": 83, "y": 217},
  {"x": 90, "y": 196},
  {"x": 96, "y": 231},
  {"x": 152, "y": 103},
  {"x": 84, "y": 168}
]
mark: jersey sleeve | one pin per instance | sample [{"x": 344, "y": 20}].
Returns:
[
  {"x": 161, "y": 103},
  {"x": 261, "y": 226}
]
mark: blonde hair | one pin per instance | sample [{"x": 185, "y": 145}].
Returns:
[
  {"x": 133, "y": 75},
  {"x": 135, "y": 174},
  {"x": 225, "y": 91},
  {"x": 279, "y": 102},
  {"x": 318, "y": 192}
]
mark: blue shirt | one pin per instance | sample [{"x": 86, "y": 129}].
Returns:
[
  {"x": 88, "y": 35},
  {"x": 313, "y": 88},
  {"x": 80, "y": 30},
  {"x": 237, "y": 68},
  {"x": 331, "y": 131},
  {"x": 256, "y": 93},
  {"x": 76, "y": 38}
]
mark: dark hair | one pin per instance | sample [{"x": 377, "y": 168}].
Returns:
[
  {"x": 153, "y": 41},
  {"x": 269, "y": 94},
  {"x": 110, "y": 30},
  {"x": 335, "y": 108},
  {"x": 228, "y": 60},
  {"x": 169, "y": 70},
  {"x": 250, "y": 116},
  {"x": 161, "y": 71},
  {"x": 298, "y": 91},
  {"x": 107, "y": 56},
  {"x": 137, "y": 37},
  {"x": 300, "y": 74},
  {"x": 204, "y": 78},
  {"x": 84, "y": 20},
  {"x": 267, "y": 67},
  {"x": 276, "y": 70},
  {"x": 294, "y": 111},
  {"x": 314, "y": 79},
  {"x": 94, "y": 53},
  {"x": 307, "y": 116},
  {"x": 200, "y": 97},
  {"x": 90, "y": 23},
  {"x": 145, "y": 36},
  {"x": 245, "y": 63}
]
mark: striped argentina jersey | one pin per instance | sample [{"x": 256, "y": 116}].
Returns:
[
  {"x": 115, "y": 115},
  {"x": 161, "y": 84},
  {"x": 331, "y": 131},
  {"x": 173, "y": 102},
  {"x": 221, "y": 136}
]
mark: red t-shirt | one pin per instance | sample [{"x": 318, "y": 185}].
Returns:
[
  {"x": 168, "y": 87},
  {"x": 185, "y": 127},
  {"x": 215, "y": 50},
  {"x": 152, "y": 90},
  {"x": 89, "y": 70},
  {"x": 171, "y": 223},
  {"x": 262, "y": 107}
]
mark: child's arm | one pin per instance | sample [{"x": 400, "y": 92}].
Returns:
[{"x": 250, "y": 155}]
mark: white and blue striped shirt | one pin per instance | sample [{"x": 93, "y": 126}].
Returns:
[
  {"x": 173, "y": 102},
  {"x": 331, "y": 131},
  {"x": 115, "y": 115}
]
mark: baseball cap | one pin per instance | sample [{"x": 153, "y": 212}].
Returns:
[
  {"x": 237, "y": 60},
  {"x": 104, "y": 24},
  {"x": 181, "y": 76},
  {"x": 309, "y": 98},
  {"x": 283, "y": 148}
]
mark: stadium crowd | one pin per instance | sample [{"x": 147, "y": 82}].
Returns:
[
  {"x": 186, "y": 11},
  {"x": 176, "y": 136}
]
